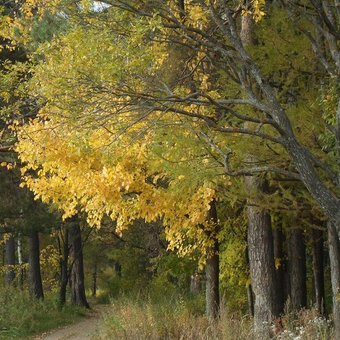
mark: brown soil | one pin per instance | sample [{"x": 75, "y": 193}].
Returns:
[{"x": 83, "y": 330}]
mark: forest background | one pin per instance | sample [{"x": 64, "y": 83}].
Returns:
[{"x": 161, "y": 148}]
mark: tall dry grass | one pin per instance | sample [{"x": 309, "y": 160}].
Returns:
[
  {"x": 177, "y": 319},
  {"x": 174, "y": 319}
]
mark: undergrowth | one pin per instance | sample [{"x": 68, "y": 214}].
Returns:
[
  {"x": 22, "y": 316},
  {"x": 183, "y": 319},
  {"x": 170, "y": 318}
]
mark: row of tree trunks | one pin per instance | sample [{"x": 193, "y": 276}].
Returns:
[
  {"x": 291, "y": 278},
  {"x": 291, "y": 274},
  {"x": 269, "y": 285},
  {"x": 72, "y": 272},
  {"x": 34, "y": 275}
]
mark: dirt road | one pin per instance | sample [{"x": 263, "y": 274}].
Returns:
[{"x": 82, "y": 330}]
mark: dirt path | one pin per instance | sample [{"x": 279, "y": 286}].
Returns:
[{"x": 82, "y": 330}]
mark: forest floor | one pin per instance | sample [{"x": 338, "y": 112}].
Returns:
[{"x": 83, "y": 330}]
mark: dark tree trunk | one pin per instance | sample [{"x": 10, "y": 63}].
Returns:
[
  {"x": 297, "y": 270},
  {"x": 212, "y": 284},
  {"x": 34, "y": 275},
  {"x": 318, "y": 270},
  {"x": 10, "y": 260},
  {"x": 334, "y": 256},
  {"x": 250, "y": 293},
  {"x": 118, "y": 269},
  {"x": 64, "y": 271},
  {"x": 250, "y": 298},
  {"x": 77, "y": 271},
  {"x": 281, "y": 268},
  {"x": 94, "y": 280},
  {"x": 212, "y": 269}
]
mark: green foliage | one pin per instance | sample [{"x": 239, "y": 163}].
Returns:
[
  {"x": 45, "y": 28},
  {"x": 146, "y": 267},
  {"x": 234, "y": 271}
]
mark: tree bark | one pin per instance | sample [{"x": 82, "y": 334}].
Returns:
[
  {"x": 34, "y": 274},
  {"x": 94, "y": 280},
  {"x": 334, "y": 256},
  {"x": 64, "y": 269},
  {"x": 318, "y": 270},
  {"x": 250, "y": 293},
  {"x": 21, "y": 270},
  {"x": 297, "y": 270},
  {"x": 212, "y": 269},
  {"x": 195, "y": 283},
  {"x": 77, "y": 271},
  {"x": 281, "y": 268},
  {"x": 10, "y": 259},
  {"x": 250, "y": 298},
  {"x": 261, "y": 261},
  {"x": 118, "y": 269},
  {"x": 260, "y": 241}
]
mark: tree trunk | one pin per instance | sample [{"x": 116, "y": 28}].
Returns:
[
  {"x": 297, "y": 270},
  {"x": 212, "y": 269},
  {"x": 195, "y": 283},
  {"x": 34, "y": 275},
  {"x": 334, "y": 255},
  {"x": 318, "y": 270},
  {"x": 77, "y": 271},
  {"x": 281, "y": 268},
  {"x": 212, "y": 285},
  {"x": 261, "y": 261},
  {"x": 118, "y": 269},
  {"x": 10, "y": 259},
  {"x": 260, "y": 241},
  {"x": 250, "y": 293},
  {"x": 94, "y": 280},
  {"x": 64, "y": 271},
  {"x": 21, "y": 270},
  {"x": 250, "y": 298}
]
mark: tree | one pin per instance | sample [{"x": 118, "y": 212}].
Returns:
[
  {"x": 34, "y": 275},
  {"x": 334, "y": 255},
  {"x": 318, "y": 269},
  {"x": 77, "y": 266},
  {"x": 297, "y": 269},
  {"x": 131, "y": 92},
  {"x": 10, "y": 259}
]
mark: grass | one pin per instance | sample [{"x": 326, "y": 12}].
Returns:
[
  {"x": 172, "y": 318},
  {"x": 22, "y": 317},
  {"x": 155, "y": 317},
  {"x": 178, "y": 318}
]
